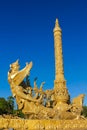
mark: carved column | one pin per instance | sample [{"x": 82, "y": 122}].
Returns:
[
  {"x": 59, "y": 72},
  {"x": 61, "y": 92}
]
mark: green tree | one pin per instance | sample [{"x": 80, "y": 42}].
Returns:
[
  {"x": 84, "y": 113},
  {"x": 10, "y": 102},
  {"x": 7, "y": 106},
  {"x": 3, "y": 106}
]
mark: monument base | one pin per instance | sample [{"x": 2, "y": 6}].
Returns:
[{"x": 24, "y": 124}]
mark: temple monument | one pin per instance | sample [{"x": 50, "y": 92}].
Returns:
[
  {"x": 36, "y": 103},
  {"x": 44, "y": 110}
]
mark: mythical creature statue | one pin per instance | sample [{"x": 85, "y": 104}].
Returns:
[
  {"x": 15, "y": 78},
  {"x": 30, "y": 100}
]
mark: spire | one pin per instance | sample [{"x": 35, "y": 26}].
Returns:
[
  {"x": 59, "y": 72},
  {"x": 61, "y": 92},
  {"x": 57, "y": 27},
  {"x": 56, "y": 23}
]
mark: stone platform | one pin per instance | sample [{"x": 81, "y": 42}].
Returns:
[{"x": 24, "y": 124}]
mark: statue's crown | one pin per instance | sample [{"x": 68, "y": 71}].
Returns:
[{"x": 16, "y": 63}]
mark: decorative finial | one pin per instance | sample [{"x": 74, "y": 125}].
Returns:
[
  {"x": 57, "y": 27},
  {"x": 56, "y": 23}
]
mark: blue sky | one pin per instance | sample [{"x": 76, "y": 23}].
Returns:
[{"x": 26, "y": 33}]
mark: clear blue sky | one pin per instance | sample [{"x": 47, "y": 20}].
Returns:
[{"x": 26, "y": 33}]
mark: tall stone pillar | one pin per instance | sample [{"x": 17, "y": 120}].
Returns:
[
  {"x": 59, "y": 72},
  {"x": 61, "y": 92}
]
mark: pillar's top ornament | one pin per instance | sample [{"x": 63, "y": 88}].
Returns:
[{"x": 57, "y": 27}]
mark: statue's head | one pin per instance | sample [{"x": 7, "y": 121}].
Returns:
[{"x": 15, "y": 66}]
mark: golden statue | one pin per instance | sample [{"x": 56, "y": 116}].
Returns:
[{"x": 36, "y": 103}]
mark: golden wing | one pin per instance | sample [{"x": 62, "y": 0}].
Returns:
[{"x": 19, "y": 77}]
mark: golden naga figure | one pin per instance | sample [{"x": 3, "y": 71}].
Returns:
[
  {"x": 30, "y": 100},
  {"x": 50, "y": 104}
]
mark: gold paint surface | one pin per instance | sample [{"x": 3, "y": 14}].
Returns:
[{"x": 23, "y": 124}]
